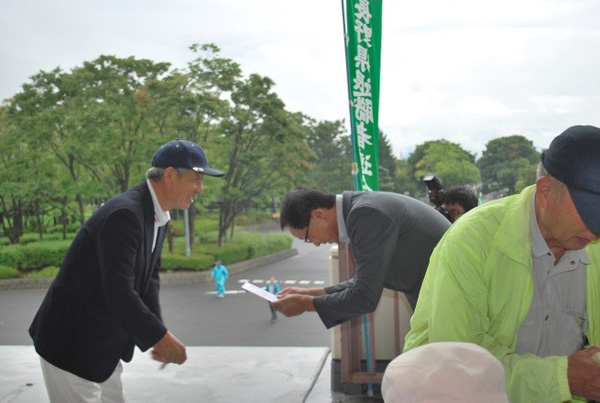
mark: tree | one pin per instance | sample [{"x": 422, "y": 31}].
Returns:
[
  {"x": 405, "y": 179},
  {"x": 387, "y": 165},
  {"x": 266, "y": 146},
  {"x": 116, "y": 113},
  {"x": 508, "y": 162},
  {"x": 331, "y": 158},
  {"x": 13, "y": 184},
  {"x": 189, "y": 103},
  {"x": 448, "y": 161}
]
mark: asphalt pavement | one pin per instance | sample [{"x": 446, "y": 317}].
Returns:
[{"x": 235, "y": 353}]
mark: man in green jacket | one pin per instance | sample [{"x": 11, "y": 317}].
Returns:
[{"x": 520, "y": 276}]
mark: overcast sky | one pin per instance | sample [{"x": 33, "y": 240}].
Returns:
[{"x": 465, "y": 70}]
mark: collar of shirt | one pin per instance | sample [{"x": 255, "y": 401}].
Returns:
[
  {"x": 539, "y": 247},
  {"x": 339, "y": 204},
  {"x": 160, "y": 217}
]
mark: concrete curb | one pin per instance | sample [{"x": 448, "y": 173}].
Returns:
[{"x": 166, "y": 279}]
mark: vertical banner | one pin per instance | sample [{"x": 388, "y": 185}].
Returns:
[{"x": 363, "y": 53}]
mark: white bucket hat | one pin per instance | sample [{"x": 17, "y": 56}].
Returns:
[{"x": 444, "y": 372}]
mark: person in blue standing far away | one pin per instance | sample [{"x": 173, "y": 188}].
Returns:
[
  {"x": 220, "y": 274},
  {"x": 272, "y": 287}
]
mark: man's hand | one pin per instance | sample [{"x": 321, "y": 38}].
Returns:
[
  {"x": 169, "y": 350},
  {"x": 294, "y": 304},
  {"x": 584, "y": 374}
]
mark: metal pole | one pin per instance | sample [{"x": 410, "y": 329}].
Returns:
[{"x": 186, "y": 220}]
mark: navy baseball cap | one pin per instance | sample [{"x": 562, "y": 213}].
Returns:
[
  {"x": 574, "y": 159},
  {"x": 183, "y": 154}
]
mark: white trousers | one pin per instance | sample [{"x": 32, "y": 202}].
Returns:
[{"x": 65, "y": 387}]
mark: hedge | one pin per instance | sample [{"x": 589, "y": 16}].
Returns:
[
  {"x": 265, "y": 244},
  {"x": 170, "y": 262},
  {"x": 246, "y": 245},
  {"x": 229, "y": 253},
  {"x": 8, "y": 272},
  {"x": 34, "y": 255},
  {"x": 46, "y": 272}
]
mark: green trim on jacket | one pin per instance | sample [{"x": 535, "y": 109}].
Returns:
[{"x": 478, "y": 288}]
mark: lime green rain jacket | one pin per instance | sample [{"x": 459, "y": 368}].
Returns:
[{"x": 478, "y": 288}]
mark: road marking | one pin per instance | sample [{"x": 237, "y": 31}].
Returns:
[
  {"x": 227, "y": 292},
  {"x": 259, "y": 281},
  {"x": 303, "y": 282}
]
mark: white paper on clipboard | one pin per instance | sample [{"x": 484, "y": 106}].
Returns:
[{"x": 259, "y": 291}]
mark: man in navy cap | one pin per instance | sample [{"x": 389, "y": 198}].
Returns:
[
  {"x": 520, "y": 276},
  {"x": 104, "y": 300}
]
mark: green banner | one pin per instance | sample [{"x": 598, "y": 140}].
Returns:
[{"x": 363, "y": 53}]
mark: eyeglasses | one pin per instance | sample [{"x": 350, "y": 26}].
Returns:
[{"x": 306, "y": 236}]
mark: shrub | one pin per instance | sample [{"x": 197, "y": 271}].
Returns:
[
  {"x": 264, "y": 244},
  {"x": 229, "y": 253},
  {"x": 29, "y": 238},
  {"x": 41, "y": 254},
  {"x": 201, "y": 225},
  {"x": 207, "y": 236},
  {"x": 8, "y": 272},
  {"x": 196, "y": 262},
  {"x": 11, "y": 255},
  {"x": 34, "y": 255},
  {"x": 46, "y": 272}
]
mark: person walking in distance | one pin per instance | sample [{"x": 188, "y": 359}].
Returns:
[
  {"x": 220, "y": 274},
  {"x": 272, "y": 287}
]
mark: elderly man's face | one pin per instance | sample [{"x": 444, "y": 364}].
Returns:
[{"x": 560, "y": 222}]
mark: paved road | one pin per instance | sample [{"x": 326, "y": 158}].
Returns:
[{"x": 198, "y": 318}]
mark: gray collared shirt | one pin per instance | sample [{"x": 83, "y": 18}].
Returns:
[{"x": 557, "y": 318}]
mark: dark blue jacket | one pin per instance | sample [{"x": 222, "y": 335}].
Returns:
[{"x": 105, "y": 297}]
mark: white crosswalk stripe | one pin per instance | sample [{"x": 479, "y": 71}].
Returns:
[
  {"x": 227, "y": 292},
  {"x": 261, "y": 281}
]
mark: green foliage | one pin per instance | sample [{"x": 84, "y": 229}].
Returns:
[
  {"x": 266, "y": 145},
  {"x": 405, "y": 180},
  {"x": 448, "y": 161},
  {"x": 508, "y": 162},
  {"x": 34, "y": 255},
  {"x": 201, "y": 226},
  {"x": 7, "y": 272},
  {"x": 331, "y": 170},
  {"x": 264, "y": 244},
  {"x": 252, "y": 218},
  {"x": 229, "y": 253},
  {"x": 387, "y": 165},
  {"x": 196, "y": 262},
  {"x": 11, "y": 255},
  {"x": 46, "y": 272},
  {"x": 29, "y": 238}
]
